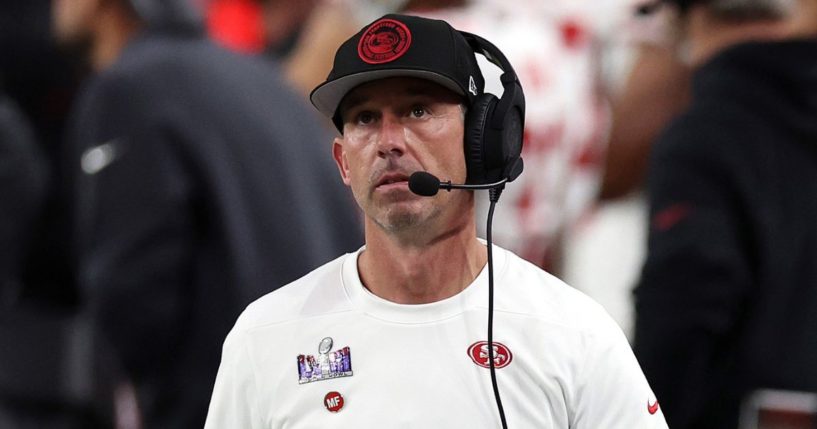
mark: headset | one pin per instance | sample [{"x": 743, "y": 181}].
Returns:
[
  {"x": 493, "y": 147},
  {"x": 494, "y": 126},
  {"x": 169, "y": 15}
]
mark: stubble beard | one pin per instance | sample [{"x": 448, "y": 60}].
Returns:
[
  {"x": 398, "y": 221},
  {"x": 397, "y": 218}
]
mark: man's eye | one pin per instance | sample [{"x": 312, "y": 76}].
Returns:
[
  {"x": 418, "y": 111},
  {"x": 365, "y": 118}
]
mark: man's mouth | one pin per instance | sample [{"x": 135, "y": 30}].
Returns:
[{"x": 392, "y": 181}]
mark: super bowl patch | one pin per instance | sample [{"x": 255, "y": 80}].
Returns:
[{"x": 329, "y": 364}]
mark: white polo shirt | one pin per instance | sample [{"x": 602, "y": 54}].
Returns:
[{"x": 325, "y": 352}]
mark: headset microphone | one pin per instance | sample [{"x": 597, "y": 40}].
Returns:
[{"x": 427, "y": 185}]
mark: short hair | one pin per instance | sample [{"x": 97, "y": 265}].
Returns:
[{"x": 750, "y": 10}]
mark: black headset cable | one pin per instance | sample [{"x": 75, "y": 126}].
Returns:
[{"x": 493, "y": 194}]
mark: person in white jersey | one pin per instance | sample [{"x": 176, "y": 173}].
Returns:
[{"x": 394, "y": 335}]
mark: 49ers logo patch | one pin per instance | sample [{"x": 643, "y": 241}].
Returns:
[
  {"x": 478, "y": 352},
  {"x": 384, "y": 41}
]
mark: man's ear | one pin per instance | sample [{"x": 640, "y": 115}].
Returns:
[{"x": 340, "y": 159}]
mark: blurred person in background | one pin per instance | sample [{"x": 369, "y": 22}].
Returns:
[
  {"x": 303, "y": 35},
  {"x": 23, "y": 184},
  {"x": 648, "y": 85},
  {"x": 188, "y": 201},
  {"x": 41, "y": 384},
  {"x": 727, "y": 302},
  {"x": 285, "y": 21},
  {"x": 42, "y": 82},
  {"x": 654, "y": 89},
  {"x": 36, "y": 76},
  {"x": 23, "y": 177}
]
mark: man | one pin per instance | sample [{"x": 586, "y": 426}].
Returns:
[
  {"x": 727, "y": 303},
  {"x": 190, "y": 198},
  {"x": 408, "y": 309}
]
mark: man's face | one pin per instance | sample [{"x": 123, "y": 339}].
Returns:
[
  {"x": 393, "y": 128},
  {"x": 72, "y": 20}
]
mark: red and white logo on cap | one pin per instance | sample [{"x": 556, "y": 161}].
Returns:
[{"x": 384, "y": 41}]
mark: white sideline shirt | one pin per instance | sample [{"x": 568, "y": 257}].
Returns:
[{"x": 324, "y": 352}]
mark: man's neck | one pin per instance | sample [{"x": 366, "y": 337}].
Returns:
[
  {"x": 419, "y": 273},
  {"x": 113, "y": 30},
  {"x": 804, "y": 23}
]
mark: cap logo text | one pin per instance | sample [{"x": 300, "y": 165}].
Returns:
[{"x": 384, "y": 41}]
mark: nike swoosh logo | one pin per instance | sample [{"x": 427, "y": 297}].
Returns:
[
  {"x": 96, "y": 158},
  {"x": 652, "y": 408}
]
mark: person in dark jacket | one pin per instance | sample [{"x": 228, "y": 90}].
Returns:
[
  {"x": 727, "y": 302},
  {"x": 22, "y": 186},
  {"x": 190, "y": 198}
]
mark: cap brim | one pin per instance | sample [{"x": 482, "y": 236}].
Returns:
[{"x": 328, "y": 96}]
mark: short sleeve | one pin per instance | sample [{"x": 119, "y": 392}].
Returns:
[
  {"x": 234, "y": 400},
  {"x": 612, "y": 391}
]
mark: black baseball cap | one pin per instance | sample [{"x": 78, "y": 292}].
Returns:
[{"x": 400, "y": 45}]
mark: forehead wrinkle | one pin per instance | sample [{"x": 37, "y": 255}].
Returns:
[
  {"x": 412, "y": 88},
  {"x": 365, "y": 92}
]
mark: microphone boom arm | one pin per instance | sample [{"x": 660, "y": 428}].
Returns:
[{"x": 448, "y": 186}]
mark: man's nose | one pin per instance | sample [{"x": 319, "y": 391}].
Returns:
[{"x": 392, "y": 139}]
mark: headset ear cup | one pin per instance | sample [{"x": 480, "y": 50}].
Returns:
[
  {"x": 513, "y": 128},
  {"x": 476, "y": 121}
]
